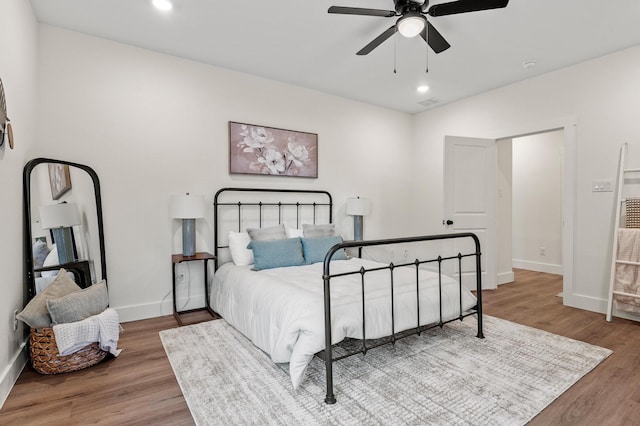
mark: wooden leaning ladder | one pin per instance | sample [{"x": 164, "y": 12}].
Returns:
[{"x": 622, "y": 173}]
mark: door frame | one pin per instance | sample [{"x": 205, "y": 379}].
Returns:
[{"x": 569, "y": 188}]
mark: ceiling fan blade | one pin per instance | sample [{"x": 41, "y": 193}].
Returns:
[
  {"x": 377, "y": 41},
  {"x": 463, "y": 6},
  {"x": 361, "y": 11},
  {"x": 435, "y": 39}
]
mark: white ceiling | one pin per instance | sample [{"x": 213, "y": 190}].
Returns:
[{"x": 298, "y": 42}]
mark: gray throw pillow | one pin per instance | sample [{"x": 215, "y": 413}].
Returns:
[
  {"x": 314, "y": 231},
  {"x": 269, "y": 233},
  {"x": 35, "y": 314},
  {"x": 80, "y": 304}
]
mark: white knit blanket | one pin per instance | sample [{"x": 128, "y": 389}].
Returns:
[
  {"x": 627, "y": 278},
  {"x": 103, "y": 328}
]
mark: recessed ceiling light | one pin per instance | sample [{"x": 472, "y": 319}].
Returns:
[
  {"x": 529, "y": 64},
  {"x": 163, "y": 5},
  {"x": 423, "y": 89}
]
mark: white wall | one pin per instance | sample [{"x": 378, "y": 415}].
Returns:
[
  {"x": 153, "y": 125},
  {"x": 537, "y": 202},
  {"x": 18, "y": 33},
  {"x": 603, "y": 95}
]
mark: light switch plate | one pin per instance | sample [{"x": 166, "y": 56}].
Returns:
[{"x": 602, "y": 185}]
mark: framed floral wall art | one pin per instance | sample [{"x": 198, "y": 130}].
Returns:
[{"x": 265, "y": 150}]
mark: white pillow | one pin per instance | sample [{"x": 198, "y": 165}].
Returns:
[
  {"x": 294, "y": 232},
  {"x": 51, "y": 260},
  {"x": 240, "y": 254}
]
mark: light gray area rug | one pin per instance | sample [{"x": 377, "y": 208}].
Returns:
[{"x": 444, "y": 377}]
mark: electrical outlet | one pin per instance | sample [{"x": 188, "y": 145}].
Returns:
[
  {"x": 543, "y": 251},
  {"x": 15, "y": 320}
]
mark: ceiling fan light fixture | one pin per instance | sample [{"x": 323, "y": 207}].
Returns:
[{"x": 411, "y": 24}]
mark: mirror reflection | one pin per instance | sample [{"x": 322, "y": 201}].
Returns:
[{"x": 64, "y": 229}]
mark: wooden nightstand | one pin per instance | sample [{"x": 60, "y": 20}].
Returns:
[{"x": 175, "y": 260}]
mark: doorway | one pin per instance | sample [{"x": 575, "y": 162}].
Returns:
[
  {"x": 530, "y": 194},
  {"x": 567, "y": 127}
]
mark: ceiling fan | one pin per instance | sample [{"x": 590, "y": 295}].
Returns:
[{"x": 413, "y": 20}]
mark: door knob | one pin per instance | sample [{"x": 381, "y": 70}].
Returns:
[{"x": 447, "y": 222}]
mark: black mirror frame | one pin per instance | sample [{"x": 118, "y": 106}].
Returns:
[{"x": 26, "y": 182}]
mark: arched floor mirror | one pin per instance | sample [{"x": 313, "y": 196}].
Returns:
[{"x": 63, "y": 223}]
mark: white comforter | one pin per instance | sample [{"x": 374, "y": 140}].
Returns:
[{"x": 282, "y": 310}]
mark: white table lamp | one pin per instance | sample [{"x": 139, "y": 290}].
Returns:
[
  {"x": 187, "y": 207},
  {"x": 60, "y": 218},
  {"x": 358, "y": 207}
]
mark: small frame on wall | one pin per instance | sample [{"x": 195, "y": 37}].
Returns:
[
  {"x": 262, "y": 150},
  {"x": 60, "y": 179},
  {"x": 5, "y": 123}
]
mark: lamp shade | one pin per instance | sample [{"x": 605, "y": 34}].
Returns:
[
  {"x": 186, "y": 206},
  {"x": 358, "y": 206},
  {"x": 61, "y": 215}
]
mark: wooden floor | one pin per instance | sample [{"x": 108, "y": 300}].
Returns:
[{"x": 139, "y": 386}]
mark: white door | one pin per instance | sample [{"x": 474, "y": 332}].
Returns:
[{"x": 470, "y": 185}]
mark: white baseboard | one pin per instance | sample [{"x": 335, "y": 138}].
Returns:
[
  {"x": 506, "y": 277},
  {"x": 588, "y": 303},
  {"x": 140, "y": 312},
  {"x": 157, "y": 309},
  {"x": 12, "y": 372},
  {"x": 593, "y": 304},
  {"x": 548, "y": 268}
]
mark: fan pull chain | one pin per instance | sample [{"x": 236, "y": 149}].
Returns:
[
  {"x": 394, "y": 53},
  {"x": 426, "y": 39},
  {"x": 426, "y": 71}
]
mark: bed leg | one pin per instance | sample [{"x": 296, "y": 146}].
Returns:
[
  {"x": 480, "y": 334},
  {"x": 328, "y": 353},
  {"x": 330, "y": 399},
  {"x": 328, "y": 363}
]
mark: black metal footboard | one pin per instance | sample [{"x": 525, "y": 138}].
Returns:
[{"x": 364, "y": 347}]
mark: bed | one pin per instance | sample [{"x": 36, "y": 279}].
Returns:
[{"x": 331, "y": 303}]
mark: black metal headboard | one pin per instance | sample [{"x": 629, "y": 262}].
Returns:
[{"x": 298, "y": 205}]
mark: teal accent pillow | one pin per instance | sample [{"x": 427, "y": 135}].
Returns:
[
  {"x": 315, "y": 249},
  {"x": 277, "y": 253}
]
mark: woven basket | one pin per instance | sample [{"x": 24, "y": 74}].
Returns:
[
  {"x": 46, "y": 359},
  {"x": 632, "y": 213}
]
